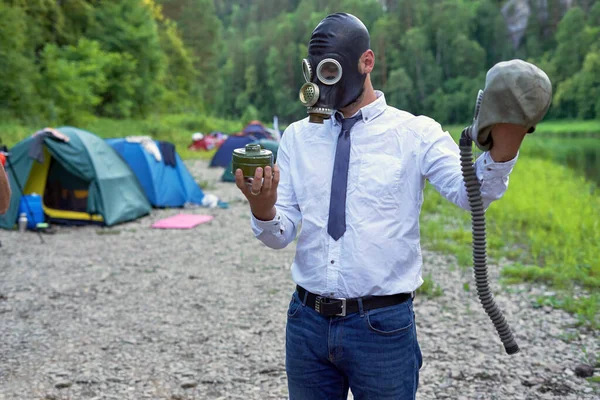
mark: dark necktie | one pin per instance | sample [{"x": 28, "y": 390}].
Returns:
[{"x": 337, "y": 203}]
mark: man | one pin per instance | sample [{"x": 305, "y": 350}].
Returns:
[
  {"x": 353, "y": 174},
  {"x": 4, "y": 187}
]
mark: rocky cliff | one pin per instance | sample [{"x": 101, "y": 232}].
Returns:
[{"x": 517, "y": 14}]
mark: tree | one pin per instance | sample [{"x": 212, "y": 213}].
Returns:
[
  {"x": 400, "y": 90},
  {"x": 67, "y": 74},
  {"x": 579, "y": 95},
  {"x": 420, "y": 65},
  {"x": 491, "y": 33},
  {"x": 385, "y": 42},
  {"x": 183, "y": 89},
  {"x": 574, "y": 41},
  {"x": 128, "y": 26},
  {"x": 201, "y": 32},
  {"x": 18, "y": 74}
]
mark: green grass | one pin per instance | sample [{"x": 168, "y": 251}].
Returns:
[
  {"x": 177, "y": 129},
  {"x": 547, "y": 223},
  {"x": 429, "y": 288},
  {"x": 569, "y": 127},
  {"x": 562, "y": 128},
  {"x": 575, "y": 144},
  {"x": 580, "y": 154}
]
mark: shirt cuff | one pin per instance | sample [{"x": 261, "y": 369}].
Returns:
[
  {"x": 273, "y": 226},
  {"x": 488, "y": 168}
]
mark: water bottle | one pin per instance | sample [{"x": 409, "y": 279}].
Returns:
[{"x": 22, "y": 222}]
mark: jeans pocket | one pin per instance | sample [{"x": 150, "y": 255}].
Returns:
[
  {"x": 391, "y": 320},
  {"x": 295, "y": 305}
]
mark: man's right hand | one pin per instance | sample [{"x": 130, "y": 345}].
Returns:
[{"x": 261, "y": 194}]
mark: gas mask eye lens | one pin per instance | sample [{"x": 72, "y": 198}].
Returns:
[
  {"x": 329, "y": 71},
  {"x": 307, "y": 70}
]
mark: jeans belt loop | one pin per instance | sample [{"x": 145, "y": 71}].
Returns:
[{"x": 361, "y": 310}]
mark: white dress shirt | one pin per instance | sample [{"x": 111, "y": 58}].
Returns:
[{"x": 393, "y": 153}]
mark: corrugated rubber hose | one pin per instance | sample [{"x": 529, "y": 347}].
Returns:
[{"x": 479, "y": 244}]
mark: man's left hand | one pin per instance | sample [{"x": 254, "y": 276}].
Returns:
[{"x": 507, "y": 139}]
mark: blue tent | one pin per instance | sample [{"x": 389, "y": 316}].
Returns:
[
  {"x": 164, "y": 185},
  {"x": 223, "y": 156},
  {"x": 257, "y": 130}
]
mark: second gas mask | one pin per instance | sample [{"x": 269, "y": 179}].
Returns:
[{"x": 331, "y": 71}]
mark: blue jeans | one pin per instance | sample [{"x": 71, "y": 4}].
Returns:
[{"x": 374, "y": 352}]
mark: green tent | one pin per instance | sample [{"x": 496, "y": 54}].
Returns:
[
  {"x": 82, "y": 180},
  {"x": 272, "y": 145}
]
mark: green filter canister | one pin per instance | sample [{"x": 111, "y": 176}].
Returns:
[{"x": 251, "y": 157}]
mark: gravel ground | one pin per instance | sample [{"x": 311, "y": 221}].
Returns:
[{"x": 131, "y": 312}]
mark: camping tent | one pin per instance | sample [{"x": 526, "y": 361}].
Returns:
[
  {"x": 207, "y": 142},
  {"x": 272, "y": 145},
  {"x": 165, "y": 185},
  {"x": 82, "y": 180},
  {"x": 258, "y": 130},
  {"x": 254, "y": 131}
]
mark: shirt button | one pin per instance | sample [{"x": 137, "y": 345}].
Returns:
[{"x": 332, "y": 261}]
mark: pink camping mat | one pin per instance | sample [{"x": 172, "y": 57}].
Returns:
[{"x": 182, "y": 221}]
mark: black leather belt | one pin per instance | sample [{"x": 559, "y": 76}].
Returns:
[{"x": 330, "y": 307}]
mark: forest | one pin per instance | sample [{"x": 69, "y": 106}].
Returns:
[{"x": 67, "y": 61}]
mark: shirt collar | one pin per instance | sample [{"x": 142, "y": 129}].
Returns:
[{"x": 370, "y": 111}]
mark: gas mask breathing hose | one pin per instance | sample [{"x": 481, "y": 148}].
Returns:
[{"x": 479, "y": 244}]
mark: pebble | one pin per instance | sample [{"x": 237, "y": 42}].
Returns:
[
  {"x": 189, "y": 384},
  {"x": 63, "y": 384},
  {"x": 173, "y": 314},
  {"x": 584, "y": 370}
]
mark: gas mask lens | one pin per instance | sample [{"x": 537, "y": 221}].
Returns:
[
  {"x": 307, "y": 70},
  {"x": 329, "y": 71}
]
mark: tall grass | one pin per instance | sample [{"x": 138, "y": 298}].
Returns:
[
  {"x": 575, "y": 144},
  {"x": 562, "y": 128},
  {"x": 547, "y": 223},
  {"x": 569, "y": 128}
]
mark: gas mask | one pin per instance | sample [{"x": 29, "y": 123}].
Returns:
[
  {"x": 519, "y": 93},
  {"x": 331, "y": 71}
]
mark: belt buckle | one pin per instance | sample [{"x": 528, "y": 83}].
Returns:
[
  {"x": 321, "y": 299},
  {"x": 343, "y": 313}
]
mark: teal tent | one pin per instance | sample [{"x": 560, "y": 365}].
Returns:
[{"x": 82, "y": 180}]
